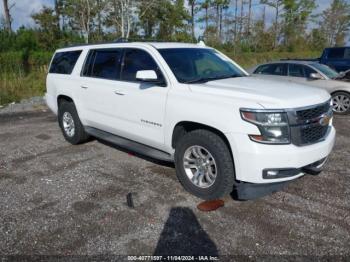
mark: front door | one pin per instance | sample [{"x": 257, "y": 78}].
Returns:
[{"x": 141, "y": 106}]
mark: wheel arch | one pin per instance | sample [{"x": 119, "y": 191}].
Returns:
[
  {"x": 183, "y": 127},
  {"x": 62, "y": 98},
  {"x": 341, "y": 91}
]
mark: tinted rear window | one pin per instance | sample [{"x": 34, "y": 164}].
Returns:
[
  {"x": 336, "y": 53},
  {"x": 107, "y": 64},
  {"x": 272, "y": 69},
  {"x": 104, "y": 63},
  {"x": 64, "y": 62}
]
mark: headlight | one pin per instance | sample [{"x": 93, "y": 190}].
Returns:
[{"x": 273, "y": 126}]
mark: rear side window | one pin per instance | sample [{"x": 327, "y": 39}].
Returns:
[
  {"x": 64, "y": 62},
  {"x": 336, "y": 53},
  {"x": 104, "y": 63},
  {"x": 272, "y": 69},
  {"x": 135, "y": 60}
]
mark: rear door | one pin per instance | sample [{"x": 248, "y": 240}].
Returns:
[{"x": 99, "y": 81}]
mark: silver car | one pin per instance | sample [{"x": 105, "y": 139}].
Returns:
[{"x": 310, "y": 73}]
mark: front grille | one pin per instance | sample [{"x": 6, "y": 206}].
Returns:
[
  {"x": 312, "y": 133},
  {"x": 312, "y": 113},
  {"x": 307, "y": 126}
]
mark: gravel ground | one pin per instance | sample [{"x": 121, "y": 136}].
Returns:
[{"x": 59, "y": 199}]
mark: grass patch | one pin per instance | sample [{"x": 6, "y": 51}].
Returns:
[{"x": 17, "y": 86}]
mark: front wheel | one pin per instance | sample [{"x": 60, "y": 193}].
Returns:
[
  {"x": 204, "y": 164},
  {"x": 341, "y": 103}
]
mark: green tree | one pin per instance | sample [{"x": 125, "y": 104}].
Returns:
[
  {"x": 335, "y": 22},
  {"x": 173, "y": 19},
  {"x": 49, "y": 28},
  {"x": 148, "y": 16},
  {"x": 296, "y": 15},
  {"x": 205, "y": 5},
  {"x": 193, "y": 4},
  {"x": 81, "y": 16},
  {"x": 260, "y": 39},
  {"x": 317, "y": 39},
  {"x": 277, "y": 5},
  {"x": 26, "y": 40}
]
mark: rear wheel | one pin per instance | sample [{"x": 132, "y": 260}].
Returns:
[
  {"x": 72, "y": 129},
  {"x": 204, "y": 164},
  {"x": 341, "y": 103}
]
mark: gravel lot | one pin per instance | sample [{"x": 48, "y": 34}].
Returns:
[{"x": 59, "y": 199}]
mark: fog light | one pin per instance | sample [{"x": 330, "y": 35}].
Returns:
[
  {"x": 272, "y": 173},
  {"x": 280, "y": 173}
]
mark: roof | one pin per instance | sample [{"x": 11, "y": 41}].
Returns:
[
  {"x": 157, "y": 45},
  {"x": 337, "y": 47}
]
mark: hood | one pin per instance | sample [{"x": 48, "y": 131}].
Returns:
[
  {"x": 270, "y": 94},
  {"x": 339, "y": 84}
]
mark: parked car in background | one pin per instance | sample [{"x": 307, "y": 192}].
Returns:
[
  {"x": 337, "y": 58},
  {"x": 309, "y": 73},
  {"x": 344, "y": 76}
]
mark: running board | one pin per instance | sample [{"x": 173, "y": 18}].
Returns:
[{"x": 129, "y": 144}]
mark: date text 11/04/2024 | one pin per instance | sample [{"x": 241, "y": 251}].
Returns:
[{"x": 173, "y": 258}]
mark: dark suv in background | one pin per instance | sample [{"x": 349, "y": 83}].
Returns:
[{"x": 337, "y": 58}]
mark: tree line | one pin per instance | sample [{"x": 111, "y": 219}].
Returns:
[{"x": 240, "y": 25}]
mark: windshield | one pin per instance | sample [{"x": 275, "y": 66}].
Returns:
[
  {"x": 194, "y": 65},
  {"x": 326, "y": 70}
]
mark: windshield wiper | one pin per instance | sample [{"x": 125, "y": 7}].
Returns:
[
  {"x": 199, "y": 80},
  {"x": 207, "y": 79}
]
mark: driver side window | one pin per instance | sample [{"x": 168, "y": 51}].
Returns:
[
  {"x": 136, "y": 60},
  {"x": 295, "y": 70}
]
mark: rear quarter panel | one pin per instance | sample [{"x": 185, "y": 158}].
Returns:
[{"x": 66, "y": 85}]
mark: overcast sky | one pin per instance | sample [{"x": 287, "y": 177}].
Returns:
[{"x": 22, "y": 10}]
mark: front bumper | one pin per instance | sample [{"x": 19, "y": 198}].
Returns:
[
  {"x": 252, "y": 159},
  {"x": 248, "y": 191}
]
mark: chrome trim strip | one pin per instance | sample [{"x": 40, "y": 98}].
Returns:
[{"x": 285, "y": 109}]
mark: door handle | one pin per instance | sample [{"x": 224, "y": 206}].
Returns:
[
  {"x": 84, "y": 87},
  {"x": 119, "y": 93}
]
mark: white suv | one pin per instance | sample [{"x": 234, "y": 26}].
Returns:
[{"x": 191, "y": 104}]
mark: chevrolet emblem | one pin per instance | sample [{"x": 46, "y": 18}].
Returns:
[{"x": 324, "y": 120}]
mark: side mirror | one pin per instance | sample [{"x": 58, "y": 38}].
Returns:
[
  {"x": 315, "y": 76},
  {"x": 147, "y": 76}
]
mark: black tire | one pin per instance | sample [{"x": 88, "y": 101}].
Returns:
[
  {"x": 216, "y": 146},
  {"x": 344, "y": 94},
  {"x": 80, "y": 136}
]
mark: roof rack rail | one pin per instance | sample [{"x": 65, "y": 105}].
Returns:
[
  {"x": 299, "y": 59},
  {"x": 127, "y": 39}
]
